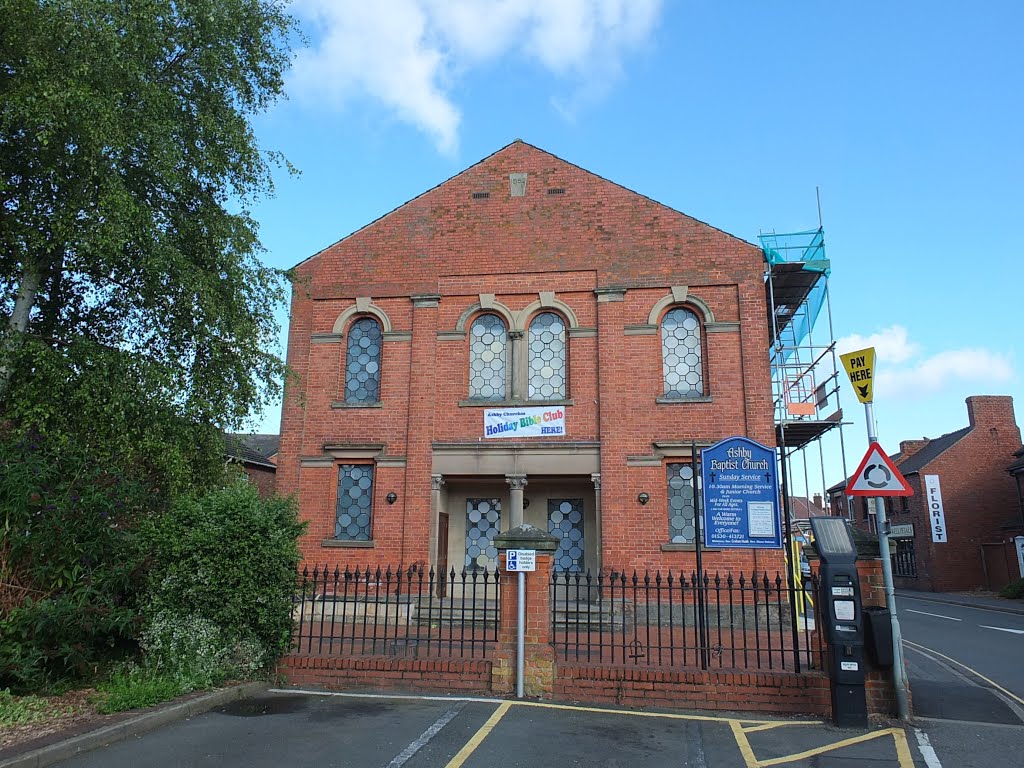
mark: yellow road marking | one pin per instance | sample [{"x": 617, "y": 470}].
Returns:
[
  {"x": 903, "y": 748},
  {"x": 991, "y": 682},
  {"x": 770, "y": 726},
  {"x": 749, "y": 760},
  {"x": 839, "y": 745},
  {"x": 667, "y": 715},
  {"x": 479, "y": 736}
]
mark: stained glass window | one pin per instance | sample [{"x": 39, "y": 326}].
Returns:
[
  {"x": 565, "y": 520},
  {"x": 355, "y": 502},
  {"x": 681, "y": 354},
  {"x": 547, "y": 357},
  {"x": 488, "y": 348},
  {"x": 483, "y": 522},
  {"x": 681, "y": 506},
  {"x": 362, "y": 361}
]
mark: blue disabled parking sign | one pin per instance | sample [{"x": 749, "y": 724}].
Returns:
[{"x": 740, "y": 491}]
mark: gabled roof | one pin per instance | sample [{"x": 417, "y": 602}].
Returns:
[
  {"x": 249, "y": 449},
  {"x": 922, "y": 458},
  {"x": 930, "y": 452},
  {"x": 497, "y": 158}
]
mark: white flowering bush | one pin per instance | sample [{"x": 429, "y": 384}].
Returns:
[{"x": 220, "y": 591}]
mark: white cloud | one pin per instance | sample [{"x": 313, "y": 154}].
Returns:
[
  {"x": 900, "y": 372},
  {"x": 405, "y": 53},
  {"x": 891, "y": 344}
]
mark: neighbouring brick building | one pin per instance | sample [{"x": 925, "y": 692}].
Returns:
[
  {"x": 257, "y": 456},
  {"x": 604, "y": 332},
  {"x": 965, "y": 472}
]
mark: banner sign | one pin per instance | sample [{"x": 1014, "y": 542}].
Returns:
[
  {"x": 936, "y": 515},
  {"x": 524, "y": 422},
  {"x": 740, "y": 490}
]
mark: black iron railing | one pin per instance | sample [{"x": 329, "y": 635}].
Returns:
[
  {"x": 411, "y": 612},
  {"x": 674, "y": 620},
  {"x": 904, "y": 560}
]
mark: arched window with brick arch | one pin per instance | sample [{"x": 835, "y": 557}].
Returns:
[
  {"x": 682, "y": 354},
  {"x": 488, "y": 358},
  {"x": 547, "y": 369},
  {"x": 362, "y": 361}
]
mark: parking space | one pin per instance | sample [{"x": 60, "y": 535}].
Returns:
[{"x": 284, "y": 727}]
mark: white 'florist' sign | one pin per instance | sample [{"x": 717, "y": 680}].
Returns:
[{"x": 524, "y": 422}]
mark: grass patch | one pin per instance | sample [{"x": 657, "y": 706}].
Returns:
[
  {"x": 15, "y": 710},
  {"x": 136, "y": 688}
]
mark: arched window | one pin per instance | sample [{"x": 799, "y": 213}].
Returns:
[
  {"x": 362, "y": 361},
  {"x": 681, "y": 354},
  {"x": 547, "y": 357},
  {"x": 488, "y": 351}
]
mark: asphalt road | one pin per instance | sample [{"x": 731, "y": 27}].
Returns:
[{"x": 287, "y": 728}]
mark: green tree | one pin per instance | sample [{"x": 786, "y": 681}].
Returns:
[{"x": 134, "y": 310}]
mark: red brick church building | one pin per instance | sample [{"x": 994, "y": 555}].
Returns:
[{"x": 526, "y": 342}]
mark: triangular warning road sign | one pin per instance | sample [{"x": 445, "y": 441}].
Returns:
[{"x": 877, "y": 476}]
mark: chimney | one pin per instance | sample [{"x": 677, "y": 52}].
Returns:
[
  {"x": 991, "y": 411},
  {"x": 818, "y": 504},
  {"x": 909, "y": 447}
]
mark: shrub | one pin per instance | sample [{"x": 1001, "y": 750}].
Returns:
[
  {"x": 219, "y": 600},
  {"x": 15, "y": 710},
  {"x": 69, "y": 562},
  {"x": 1014, "y": 590}
]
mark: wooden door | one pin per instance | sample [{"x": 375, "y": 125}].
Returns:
[{"x": 442, "y": 555}]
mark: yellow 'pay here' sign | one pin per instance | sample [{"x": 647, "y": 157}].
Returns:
[{"x": 860, "y": 367}]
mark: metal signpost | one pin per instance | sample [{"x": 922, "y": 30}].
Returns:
[
  {"x": 520, "y": 561},
  {"x": 859, "y": 367}
]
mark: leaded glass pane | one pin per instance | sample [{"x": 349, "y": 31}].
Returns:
[
  {"x": 681, "y": 505},
  {"x": 547, "y": 357},
  {"x": 565, "y": 520},
  {"x": 488, "y": 346},
  {"x": 483, "y": 522},
  {"x": 354, "y": 513},
  {"x": 362, "y": 361},
  {"x": 681, "y": 354}
]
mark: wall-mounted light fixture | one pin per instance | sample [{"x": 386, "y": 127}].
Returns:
[
  {"x": 643, "y": 498},
  {"x": 392, "y": 497}
]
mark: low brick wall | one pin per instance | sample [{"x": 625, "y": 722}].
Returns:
[
  {"x": 776, "y": 692},
  {"x": 353, "y": 673}
]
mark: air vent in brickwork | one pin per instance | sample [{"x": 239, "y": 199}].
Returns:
[
  {"x": 517, "y": 184},
  {"x": 481, "y": 195},
  {"x": 556, "y": 191}
]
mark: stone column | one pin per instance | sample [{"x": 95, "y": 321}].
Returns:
[
  {"x": 517, "y": 485},
  {"x": 538, "y": 653},
  {"x": 518, "y": 384},
  {"x": 436, "y": 484}
]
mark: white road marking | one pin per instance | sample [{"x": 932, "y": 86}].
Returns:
[
  {"x": 927, "y": 751},
  {"x": 1003, "y": 629},
  {"x": 426, "y": 736},
  {"x": 936, "y": 615}
]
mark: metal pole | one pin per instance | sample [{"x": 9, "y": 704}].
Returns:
[
  {"x": 790, "y": 565},
  {"x": 899, "y": 672},
  {"x": 698, "y": 511},
  {"x": 520, "y": 635}
]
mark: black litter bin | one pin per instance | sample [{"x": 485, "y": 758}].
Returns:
[{"x": 878, "y": 636}]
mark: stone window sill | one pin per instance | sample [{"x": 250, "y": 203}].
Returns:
[
  {"x": 683, "y": 400},
  {"x": 512, "y": 403},
  {"x": 343, "y": 404},
  {"x": 676, "y": 547},
  {"x": 346, "y": 544}
]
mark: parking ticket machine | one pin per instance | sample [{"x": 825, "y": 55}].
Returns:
[{"x": 842, "y": 618}]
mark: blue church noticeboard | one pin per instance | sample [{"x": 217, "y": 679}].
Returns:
[{"x": 740, "y": 491}]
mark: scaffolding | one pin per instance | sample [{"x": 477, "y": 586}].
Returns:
[{"x": 805, "y": 374}]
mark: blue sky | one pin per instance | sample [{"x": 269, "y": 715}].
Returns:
[{"x": 907, "y": 115}]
